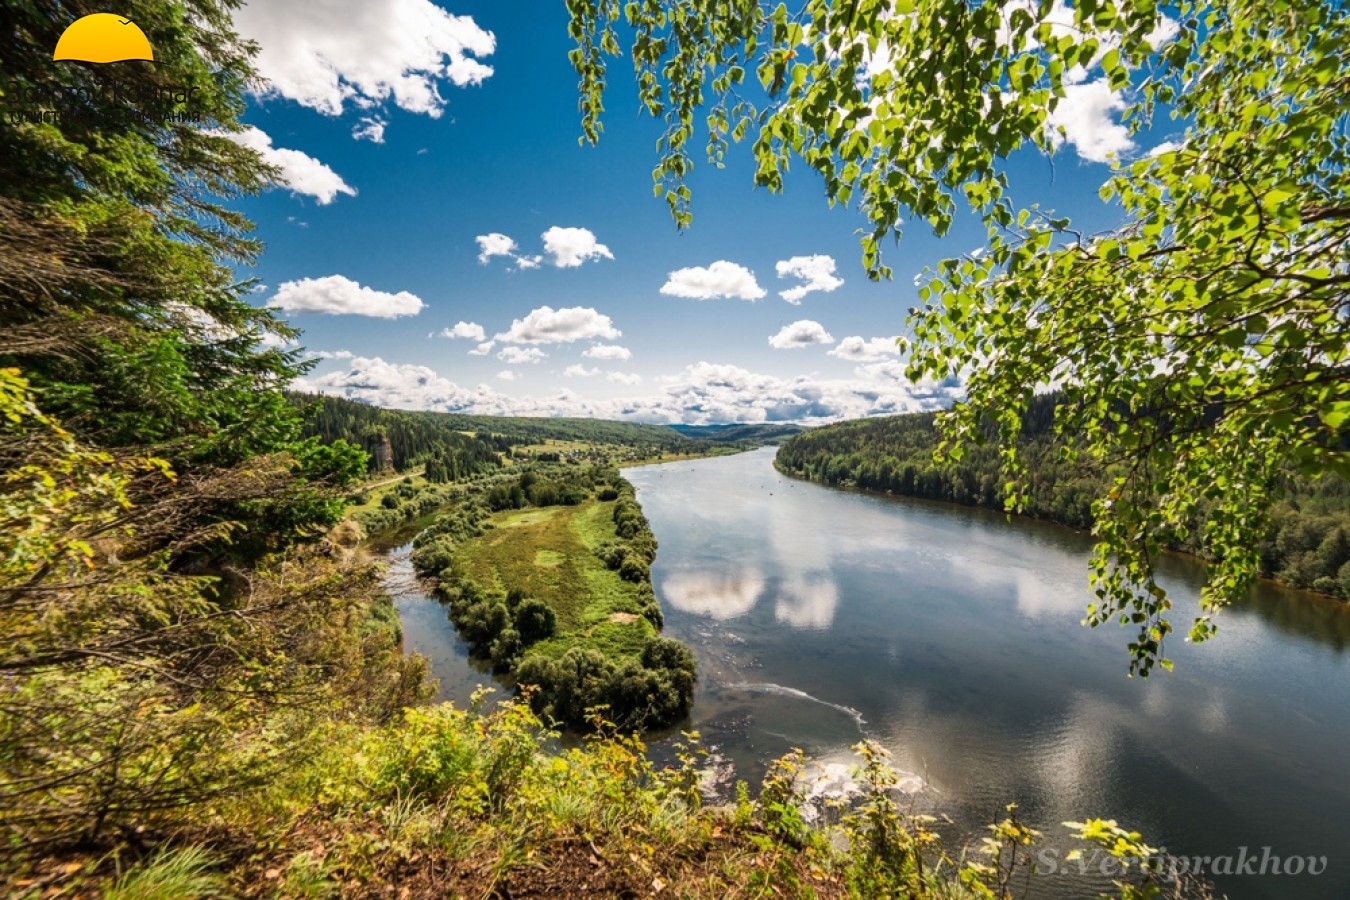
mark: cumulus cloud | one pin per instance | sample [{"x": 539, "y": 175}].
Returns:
[
  {"x": 855, "y": 349},
  {"x": 517, "y": 356},
  {"x": 339, "y": 295},
  {"x": 506, "y": 375},
  {"x": 546, "y": 325},
  {"x": 802, "y": 333},
  {"x": 1084, "y": 118},
  {"x": 1165, "y": 147},
  {"x": 302, "y": 173},
  {"x": 816, "y": 273},
  {"x": 580, "y": 371},
  {"x": 483, "y": 349},
  {"x": 370, "y": 128},
  {"x": 720, "y": 280},
  {"x": 494, "y": 244},
  {"x": 624, "y": 377},
  {"x": 471, "y": 331},
  {"x": 700, "y": 394},
  {"x": 565, "y": 248},
  {"x": 335, "y": 354},
  {"x": 327, "y": 55},
  {"x": 607, "y": 351},
  {"x": 570, "y": 247},
  {"x": 269, "y": 341}
]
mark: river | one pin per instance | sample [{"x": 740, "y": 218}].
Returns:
[{"x": 952, "y": 637}]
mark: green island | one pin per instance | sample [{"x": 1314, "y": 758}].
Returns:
[{"x": 547, "y": 573}]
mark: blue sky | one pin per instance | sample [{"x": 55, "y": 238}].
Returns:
[{"x": 416, "y": 137}]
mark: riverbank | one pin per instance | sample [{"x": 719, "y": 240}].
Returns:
[{"x": 1306, "y": 545}]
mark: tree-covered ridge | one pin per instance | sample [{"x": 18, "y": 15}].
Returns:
[
  {"x": 561, "y": 593},
  {"x": 401, "y": 440},
  {"x": 414, "y": 436},
  {"x": 759, "y": 433},
  {"x": 1307, "y": 544},
  {"x": 338, "y": 417}
]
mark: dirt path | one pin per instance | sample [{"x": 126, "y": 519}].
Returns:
[{"x": 398, "y": 477}]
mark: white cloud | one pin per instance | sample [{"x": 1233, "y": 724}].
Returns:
[
  {"x": 624, "y": 377},
  {"x": 269, "y": 341},
  {"x": 721, "y": 279},
  {"x": 580, "y": 371},
  {"x": 1085, "y": 115},
  {"x": 1163, "y": 33},
  {"x": 856, "y": 349},
  {"x": 483, "y": 349},
  {"x": 700, "y": 394},
  {"x": 816, "y": 273},
  {"x": 335, "y": 354},
  {"x": 302, "y": 173},
  {"x": 607, "y": 351},
  {"x": 370, "y": 128},
  {"x": 709, "y": 393},
  {"x": 518, "y": 356},
  {"x": 548, "y": 326},
  {"x": 570, "y": 247},
  {"x": 494, "y": 244},
  {"x": 325, "y": 54},
  {"x": 471, "y": 331},
  {"x": 339, "y": 295},
  {"x": 506, "y": 375},
  {"x": 1165, "y": 147},
  {"x": 802, "y": 333}
]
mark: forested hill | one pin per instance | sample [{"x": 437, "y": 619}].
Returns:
[
  {"x": 1307, "y": 545},
  {"x": 403, "y": 439},
  {"x": 763, "y": 433}
]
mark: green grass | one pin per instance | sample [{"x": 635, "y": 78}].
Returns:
[
  {"x": 548, "y": 559},
  {"x": 173, "y": 875},
  {"x": 547, "y": 553}
]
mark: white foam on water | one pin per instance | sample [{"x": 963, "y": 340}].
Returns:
[{"x": 785, "y": 691}]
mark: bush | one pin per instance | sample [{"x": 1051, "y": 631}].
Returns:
[
  {"x": 535, "y": 621},
  {"x": 634, "y": 569}
]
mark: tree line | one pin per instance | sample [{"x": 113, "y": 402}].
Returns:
[{"x": 1306, "y": 543}]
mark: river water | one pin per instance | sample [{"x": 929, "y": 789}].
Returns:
[{"x": 952, "y": 637}]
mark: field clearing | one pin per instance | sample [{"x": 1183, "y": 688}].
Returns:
[{"x": 548, "y": 554}]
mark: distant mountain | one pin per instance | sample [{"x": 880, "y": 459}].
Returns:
[{"x": 737, "y": 432}]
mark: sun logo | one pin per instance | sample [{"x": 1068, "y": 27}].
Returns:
[{"x": 103, "y": 38}]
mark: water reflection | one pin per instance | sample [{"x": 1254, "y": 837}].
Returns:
[
  {"x": 727, "y": 594},
  {"x": 952, "y": 636}
]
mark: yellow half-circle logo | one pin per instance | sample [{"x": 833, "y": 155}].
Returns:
[{"x": 103, "y": 38}]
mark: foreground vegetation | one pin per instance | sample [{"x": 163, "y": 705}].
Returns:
[
  {"x": 1307, "y": 542},
  {"x": 448, "y": 802}
]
